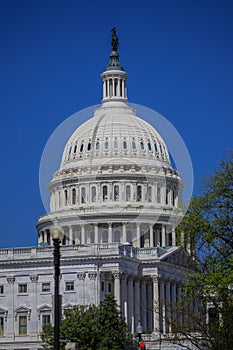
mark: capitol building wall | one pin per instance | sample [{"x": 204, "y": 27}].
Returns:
[{"x": 117, "y": 198}]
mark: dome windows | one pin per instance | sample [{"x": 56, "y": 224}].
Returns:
[
  {"x": 149, "y": 146},
  {"x": 105, "y": 193},
  {"x": 142, "y": 145},
  {"x": 106, "y": 144},
  {"x": 75, "y": 148},
  {"x": 124, "y": 145},
  {"x": 81, "y": 148},
  {"x": 97, "y": 145},
  {"x": 89, "y": 146},
  {"x": 128, "y": 193},
  {"x": 93, "y": 193},
  {"x": 134, "y": 145},
  {"x": 116, "y": 193},
  {"x": 139, "y": 193},
  {"x": 73, "y": 196},
  {"x": 83, "y": 195}
]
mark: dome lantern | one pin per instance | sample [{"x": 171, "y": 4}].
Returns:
[{"x": 114, "y": 78}]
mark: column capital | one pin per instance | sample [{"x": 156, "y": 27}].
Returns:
[
  {"x": 34, "y": 278},
  {"x": 10, "y": 279},
  {"x": 92, "y": 275},
  {"x": 81, "y": 275},
  {"x": 117, "y": 274}
]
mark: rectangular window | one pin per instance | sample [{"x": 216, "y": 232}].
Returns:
[
  {"x": 109, "y": 288},
  {"x": 46, "y": 320},
  {"x": 1, "y": 325},
  {"x": 1, "y": 289},
  {"x": 69, "y": 286},
  {"x": 45, "y": 287},
  {"x": 102, "y": 286},
  {"x": 22, "y": 325},
  {"x": 22, "y": 288},
  {"x": 158, "y": 194}
]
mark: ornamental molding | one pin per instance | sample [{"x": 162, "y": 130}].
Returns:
[
  {"x": 92, "y": 275},
  {"x": 34, "y": 278},
  {"x": 4, "y": 312},
  {"x": 22, "y": 309},
  {"x": 81, "y": 275},
  {"x": 11, "y": 279}
]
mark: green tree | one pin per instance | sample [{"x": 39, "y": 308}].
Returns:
[
  {"x": 208, "y": 230},
  {"x": 93, "y": 328}
]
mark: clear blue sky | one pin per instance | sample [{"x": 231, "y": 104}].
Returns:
[{"x": 179, "y": 57}]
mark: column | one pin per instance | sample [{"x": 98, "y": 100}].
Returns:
[
  {"x": 124, "y": 303},
  {"x": 168, "y": 306},
  {"x": 117, "y": 292},
  {"x": 174, "y": 303},
  {"x": 138, "y": 235},
  {"x": 179, "y": 291},
  {"x": 162, "y": 307},
  {"x": 156, "y": 305},
  {"x": 82, "y": 234},
  {"x": 163, "y": 236},
  {"x": 130, "y": 303},
  {"x": 45, "y": 236},
  {"x": 150, "y": 307},
  {"x": 124, "y": 233},
  {"x": 143, "y": 304},
  {"x": 96, "y": 239},
  {"x": 70, "y": 235},
  {"x": 137, "y": 300},
  {"x": 110, "y": 233},
  {"x": 151, "y": 236},
  {"x": 173, "y": 236}
]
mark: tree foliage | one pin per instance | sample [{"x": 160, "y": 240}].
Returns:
[
  {"x": 93, "y": 328},
  {"x": 208, "y": 230}
]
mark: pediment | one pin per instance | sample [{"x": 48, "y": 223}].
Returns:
[
  {"x": 44, "y": 307},
  {"x": 67, "y": 306},
  {"x": 22, "y": 308}
]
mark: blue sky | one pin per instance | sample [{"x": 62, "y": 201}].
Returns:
[{"x": 179, "y": 57}]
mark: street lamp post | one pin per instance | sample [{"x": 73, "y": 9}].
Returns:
[
  {"x": 57, "y": 236},
  {"x": 139, "y": 330}
]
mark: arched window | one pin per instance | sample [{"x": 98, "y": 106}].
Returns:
[
  {"x": 97, "y": 145},
  {"x": 115, "y": 145},
  {"x": 81, "y": 147},
  {"x": 142, "y": 145},
  {"x": 156, "y": 148},
  {"x": 75, "y": 148},
  {"x": 105, "y": 192},
  {"x": 66, "y": 197},
  {"x": 105, "y": 236},
  {"x": 93, "y": 194},
  {"x": 167, "y": 195},
  {"x": 117, "y": 236},
  {"x": 149, "y": 147},
  {"x": 124, "y": 144},
  {"x": 73, "y": 196},
  {"x": 158, "y": 194},
  {"x": 83, "y": 195},
  {"x": 59, "y": 198},
  {"x": 133, "y": 145},
  {"x": 128, "y": 193},
  {"x": 89, "y": 146},
  {"x": 139, "y": 193},
  {"x": 116, "y": 193},
  {"x": 173, "y": 198},
  {"x": 106, "y": 144},
  {"x": 149, "y": 194},
  {"x": 70, "y": 149}
]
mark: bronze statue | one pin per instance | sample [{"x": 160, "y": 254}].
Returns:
[{"x": 114, "y": 41}]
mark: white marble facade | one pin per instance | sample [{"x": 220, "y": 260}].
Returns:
[{"x": 117, "y": 198}]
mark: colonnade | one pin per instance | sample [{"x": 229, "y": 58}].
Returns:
[
  {"x": 150, "y": 299},
  {"x": 141, "y": 235}
]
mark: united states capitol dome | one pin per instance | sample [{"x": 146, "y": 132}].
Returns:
[
  {"x": 116, "y": 135},
  {"x": 115, "y": 172}
]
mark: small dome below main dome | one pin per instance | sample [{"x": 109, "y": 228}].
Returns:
[{"x": 114, "y": 132}]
